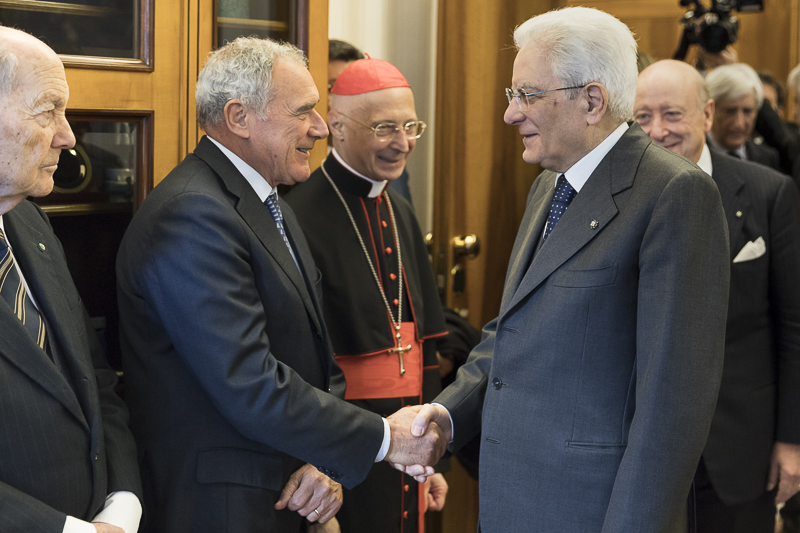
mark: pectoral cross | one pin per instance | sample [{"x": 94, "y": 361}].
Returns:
[{"x": 400, "y": 350}]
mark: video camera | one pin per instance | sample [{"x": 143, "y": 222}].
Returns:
[{"x": 712, "y": 28}]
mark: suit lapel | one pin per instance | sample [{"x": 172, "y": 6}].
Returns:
[
  {"x": 534, "y": 220},
  {"x": 595, "y": 203},
  {"x": 17, "y": 346},
  {"x": 257, "y": 216},
  {"x": 734, "y": 201}
]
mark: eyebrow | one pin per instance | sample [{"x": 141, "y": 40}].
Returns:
[
  {"x": 54, "y": 99},
  {"x": 306, "y": 108}
]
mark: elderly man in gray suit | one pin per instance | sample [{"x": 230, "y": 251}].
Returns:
[
  {"x": 595, "y": 386},
  {"x": 754, "y": 443},
  {"x": 67, "y": 458}
]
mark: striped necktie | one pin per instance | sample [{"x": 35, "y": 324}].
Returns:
[
  {"x": 275, "y": 210},
  {"x": 13, "y": 291}
]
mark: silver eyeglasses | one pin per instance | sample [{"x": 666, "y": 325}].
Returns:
[
  {"x": 525, "y": 100},
  {"x": 413, "y": 129}
]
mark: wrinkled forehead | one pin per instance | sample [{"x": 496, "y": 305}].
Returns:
[{"x": 396, "y": 103}]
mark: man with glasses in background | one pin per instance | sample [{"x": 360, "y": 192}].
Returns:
[
  {"x": 595, "y": 386},
  {"x": 380, "y": 300}
]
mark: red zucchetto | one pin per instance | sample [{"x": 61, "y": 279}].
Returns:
[{"x": 367, "y": 75}]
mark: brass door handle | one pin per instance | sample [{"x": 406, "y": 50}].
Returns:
[{"x": 466, "y": 246}]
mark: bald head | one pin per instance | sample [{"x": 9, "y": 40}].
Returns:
[
  {"x": 673, "y": 107},
  {"x": 33, "y": 126}
]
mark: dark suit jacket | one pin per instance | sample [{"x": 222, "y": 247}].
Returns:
[
  {"x": 595, "y": 386},
  {"x": 780, "y": 135},
  {"x": 763, "y": 155},
  {"x": 759, "y": 400},
  {"x": 231, "y": 379},
  {"x": 64, "y": 442}
]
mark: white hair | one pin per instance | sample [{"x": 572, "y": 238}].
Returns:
[
  {"x": 241, "y": 70},
  {"x": 9, "y": 63},
  {"x": 731, "y": 82},
  {"x": 584, "y": 45},
  {"x": 794, "y": 80}
]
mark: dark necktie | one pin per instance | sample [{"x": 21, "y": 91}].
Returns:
[
  {"x": 275, "y": 210},
  {"x": 12, "y": 289},
  {"x": 561, "y": 199}
]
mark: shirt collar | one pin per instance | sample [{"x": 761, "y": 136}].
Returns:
[
  {"x": 579, "y": 173},
  {"x": 704, "y": 162},
  {"x": 377, "y": 186},
  {"x": 740, "y": 151},
  {"x": 259, "y": 184}
]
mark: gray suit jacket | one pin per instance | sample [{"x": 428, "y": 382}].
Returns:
[
  {"x": 231, "y": 379},
  {"x": 595, "y": 386},
  {"x": 760, "y": 392},
  {"x": 64, "y": 441}
]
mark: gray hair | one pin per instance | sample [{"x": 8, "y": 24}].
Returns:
[
  {"x": 584, "y": 45},
  {"x": 794, "y": 80},
  {"x": 240, "y": 70},
  {"x": 731, "y": 82},
  {"x": 9, "y": 64}
]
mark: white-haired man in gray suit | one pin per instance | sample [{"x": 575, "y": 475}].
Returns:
[{"x": 595, "y": 386}]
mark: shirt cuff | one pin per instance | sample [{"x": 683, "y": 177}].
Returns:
[
  {"x": 452, "y": 426},
  {"x": 73, "y": 525},
  {"x": 387, "y": 439},
  {"x": 122, "y": 509}
]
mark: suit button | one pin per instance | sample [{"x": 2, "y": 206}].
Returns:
[
  {"x": 405, "y": 488},
  {"x": 405, "y": 514},
  {"x": 497, "y": 383}
]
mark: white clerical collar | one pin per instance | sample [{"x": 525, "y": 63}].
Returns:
[
  {"x": 704, "y": 162},
  {"x": 377, "y": 186},
  {"x": 579, "y": 173},
  {"x": 259, "y": 184}
]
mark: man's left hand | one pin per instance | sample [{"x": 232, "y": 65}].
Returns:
[
  {"x": 784, "y": 471},
  {"x": 435, "y": 488},
  {"x": 312, "y": 494}
]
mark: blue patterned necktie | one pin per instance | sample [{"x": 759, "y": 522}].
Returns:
[
  {"x": 275, "y": 210},
  {"x": 561, "y": 200},
  {"x": 13, "y": 291}
]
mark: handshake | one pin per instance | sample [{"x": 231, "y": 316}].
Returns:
[{"x": 420, "y": 435}]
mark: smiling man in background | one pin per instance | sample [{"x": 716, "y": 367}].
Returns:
[{"x": 752, "y": 458}]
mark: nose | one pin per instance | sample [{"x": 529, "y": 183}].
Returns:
[
  {"x": 63, "y": 138},
  {"x": 401, "y": 142},
  {"x": 513, "y": 114},
  {"x": 318, "y": 129},
  {"x": 657, "y": 131}
]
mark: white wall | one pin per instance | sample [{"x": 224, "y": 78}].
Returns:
[{"x": 402, "y": 32}]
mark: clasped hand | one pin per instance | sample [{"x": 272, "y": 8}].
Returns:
[{"x": 419, "y": 439}]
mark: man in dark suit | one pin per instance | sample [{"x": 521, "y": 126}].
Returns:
[
  {"x": 66, "y": 455},
  {"x": 737, "y": 92},
  {"x": 233, "y": 389},
  {"x": 595, "y": 386},
  {"x": 754, "y": 443}
]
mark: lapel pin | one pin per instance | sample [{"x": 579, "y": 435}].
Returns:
[
  {"x": 594, "y": 224},
  {"x": 42, "y": 247},
  {"x": 738, "y": 214}
]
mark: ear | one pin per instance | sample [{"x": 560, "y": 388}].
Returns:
[
  {"x": 335, "y": 125},
  {"x": 236, "y": 119},
  {"x": 597, "y": 102},
  {"x": 708, "y": 116}
]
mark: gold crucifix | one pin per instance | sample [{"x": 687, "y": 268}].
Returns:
[{"x": 400, "y": 350}]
